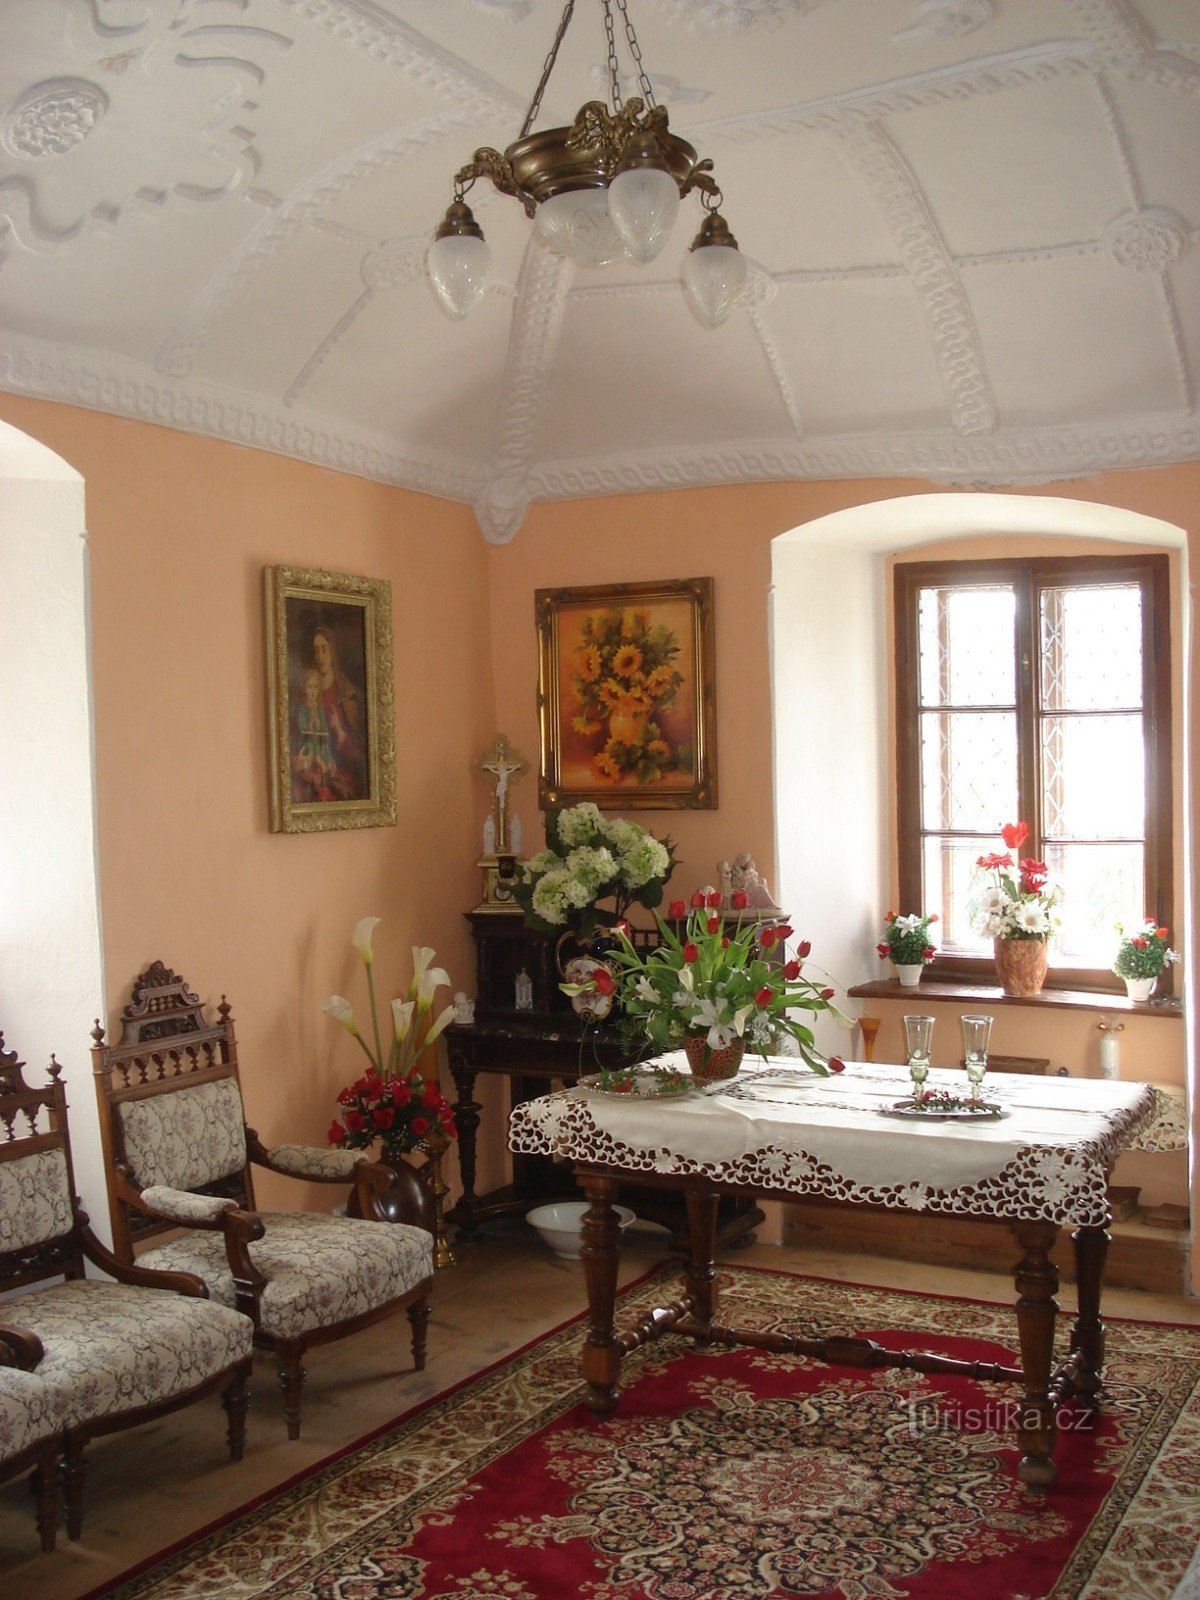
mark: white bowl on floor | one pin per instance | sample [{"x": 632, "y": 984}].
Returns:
[{"x": 561, "y": 1225}]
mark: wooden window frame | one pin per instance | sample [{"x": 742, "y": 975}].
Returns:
[{"x": 1028, "y": 575}]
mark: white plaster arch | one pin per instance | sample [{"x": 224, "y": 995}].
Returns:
[
  {"x": 828, "y": 627},
  {"x": 51, "y": 968}
]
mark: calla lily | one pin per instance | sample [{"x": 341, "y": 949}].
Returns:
[
  {"x": 402, "y": 1016},
  {"x": 428, "y": 983},
  {"x": 439, "y": 1027},
  {"x": 341, "y": 1011},
  {"x": 361, "y": 938}
]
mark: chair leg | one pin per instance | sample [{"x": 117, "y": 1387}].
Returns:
[
  {"x": 236, "y": 1400},
  {"x": 291, "y": 1382},
  {"x": 44, "y": 1485},
  {"x": 74, "y": 1470},
  {"x": 418, "y": 1316}
]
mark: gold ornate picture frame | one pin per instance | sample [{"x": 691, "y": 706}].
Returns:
[
  {"x": 331, "y": 700},
  {"x": 626, "y": 698}
]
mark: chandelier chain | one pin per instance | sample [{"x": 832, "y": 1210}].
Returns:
[
  {"x": 635, "y": 51},
  {"x": 536, "y": 103},
  {"x": 614, "y": 72}
]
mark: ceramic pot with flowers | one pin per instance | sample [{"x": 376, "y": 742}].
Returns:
[
  {"x": 1142, "y": 958},
  {"x": 1015, "y": 909},
  {"x": 907, "y": 943},
  {"x": 717, "y": 984},
  {"x": 1021, "y": 966}
]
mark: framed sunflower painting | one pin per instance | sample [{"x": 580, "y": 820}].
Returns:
[{"x": 625, "y": 695}]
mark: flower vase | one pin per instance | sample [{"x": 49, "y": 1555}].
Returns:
[
  {"x": 709, "y": 1065},
  {"x": 908, "y": 973},
  {"x": 1021, "y": 966},
  {"x": 1140, "y": 988}
]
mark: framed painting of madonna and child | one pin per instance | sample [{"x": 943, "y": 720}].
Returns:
[
  {"x": 331, "y": 700},
  {"x": 625, "y": 695}
]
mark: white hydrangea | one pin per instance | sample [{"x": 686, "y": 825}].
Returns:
[
  {"x": 592, "y": 868},
  {"x": 647, "y": 859},
  {"x": 549, "y": 896},
  {"x": 579, "y": 824}
]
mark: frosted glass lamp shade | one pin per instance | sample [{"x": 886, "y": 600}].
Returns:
[
  {"x": 644, "y": 203},
  {"x": 459, "y": 265},
  {"x": 713, "y": 279},
  {"x": 577, "y": 223}
]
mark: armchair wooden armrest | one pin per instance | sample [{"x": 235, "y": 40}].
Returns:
[
  {"x": 391, "y": 1194},
  {"x": 241, "y": 1229},
  {"x": 142, "y": 1277},
  {"x": 19, "y": 1347}
]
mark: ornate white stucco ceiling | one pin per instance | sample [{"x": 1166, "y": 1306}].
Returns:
[{"x": 971, "y": 224}]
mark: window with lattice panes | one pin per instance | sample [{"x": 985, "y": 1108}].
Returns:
[{"x": 1035, "y": 691}]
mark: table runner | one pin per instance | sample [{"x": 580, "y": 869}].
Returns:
[{"x": 779, "y": 1128}]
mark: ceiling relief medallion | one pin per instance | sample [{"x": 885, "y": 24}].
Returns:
[
  {"x": 735, "y": 13},
  {"x": 1147, "y": 241},
  {"x": 53, "y": 117},
  {"x": 946, "y": 19}
]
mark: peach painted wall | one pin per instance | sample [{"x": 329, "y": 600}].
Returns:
[
  {"x": 180, "y": 530},
  {"x": 726, "y": 533}
]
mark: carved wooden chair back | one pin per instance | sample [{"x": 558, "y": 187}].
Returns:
[
  {"x": 170, "y": 1104},
  {"x": 39, "y": 1224}
]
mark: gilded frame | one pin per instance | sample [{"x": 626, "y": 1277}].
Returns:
[
  {"x": 331, "y": 701},
  {"x": 626, "y": 696}
]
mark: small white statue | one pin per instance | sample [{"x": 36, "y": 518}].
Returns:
[
  {"x": 523, "y": 991},
  {"x": 744, "y": 875},
  {"x": 514, "y": 834},
  {"x": 489, "y": 836},
  {"x": 464, "y": 1010}
]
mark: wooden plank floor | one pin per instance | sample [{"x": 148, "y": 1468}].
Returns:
[{"x": 149, "y": 1487}]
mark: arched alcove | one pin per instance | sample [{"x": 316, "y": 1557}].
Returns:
[
  {"x": 51, "y": 978},
  {"x": 832, "y": 687}
]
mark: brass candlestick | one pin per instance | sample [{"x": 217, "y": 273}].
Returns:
[{"x": 435, "y": 1144}]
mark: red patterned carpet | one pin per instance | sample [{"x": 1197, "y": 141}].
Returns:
[{"x": 731, "y": 1475}]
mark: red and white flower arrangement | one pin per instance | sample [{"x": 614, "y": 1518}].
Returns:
[{"x": 1019, "y": 900}]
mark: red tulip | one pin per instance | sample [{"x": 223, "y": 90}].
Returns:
[
  {"x": 764, "y": 996},
  {"x": 828, "y": 994},
  {"x": 603, "y": 981},
  {"x": 690, "y": 953},
  {"x": 677, "y": 910},
  {"x": 739, "y": 899},
  {"x": 784, "y": 931},
  {"x": 804, "y": 948},
  {"x": 791, "y": 971},
  {"x": 836, "y": 1064},
  {"x": 714, "y": 924},
  {"x": 766, "y": 938},
  {"x": 698, "y": 899},
  {"x": 713, "y": 900},
  {"x": 725, "y": 942},
  {"x": 625, "y": 929},
  {"x": 1014, "y": 834}
]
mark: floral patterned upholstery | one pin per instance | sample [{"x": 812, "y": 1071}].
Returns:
[
  {"x": 111, "y": 1347},
  {"x": 35, "y": 1202},
  {"x": 180, "y": 1205},
  {"x": 187, "y": 1138},
  {"x": 30, "y": 1410},
  {"x": 310, "y": 1161},
  {"x": 321, "y": 1270}
]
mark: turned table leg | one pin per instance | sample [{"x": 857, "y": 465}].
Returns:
[
  {"x": 600, "y": 1252},
  {"x": 1087, "y": 1335},
  {"x": 1037, "y": 1311},
  {"x": 700, "y": 1274},
  {"x": 466, "y": 1118}
]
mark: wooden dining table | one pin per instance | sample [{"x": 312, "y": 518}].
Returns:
[{"x": 1039, "y": 1164}]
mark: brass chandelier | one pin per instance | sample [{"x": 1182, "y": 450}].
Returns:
[{"x": 604, "y": 189}]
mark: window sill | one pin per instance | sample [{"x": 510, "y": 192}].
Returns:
[{"x": 973, "y": 994}]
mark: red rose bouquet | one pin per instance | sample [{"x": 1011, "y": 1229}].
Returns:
[{"x": 399, "y": 1112}]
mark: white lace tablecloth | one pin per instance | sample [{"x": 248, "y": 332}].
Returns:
[{"x": 780, "y": 1128}]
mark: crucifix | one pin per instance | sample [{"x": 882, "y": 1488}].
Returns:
[
  {"x": 501, "y": 830},
  {"x": 506, "y": 765}
]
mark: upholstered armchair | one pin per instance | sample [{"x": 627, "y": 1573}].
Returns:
[
  {"x": 84, "y": 1356},
  {"x": 179, "y": 1158}
]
